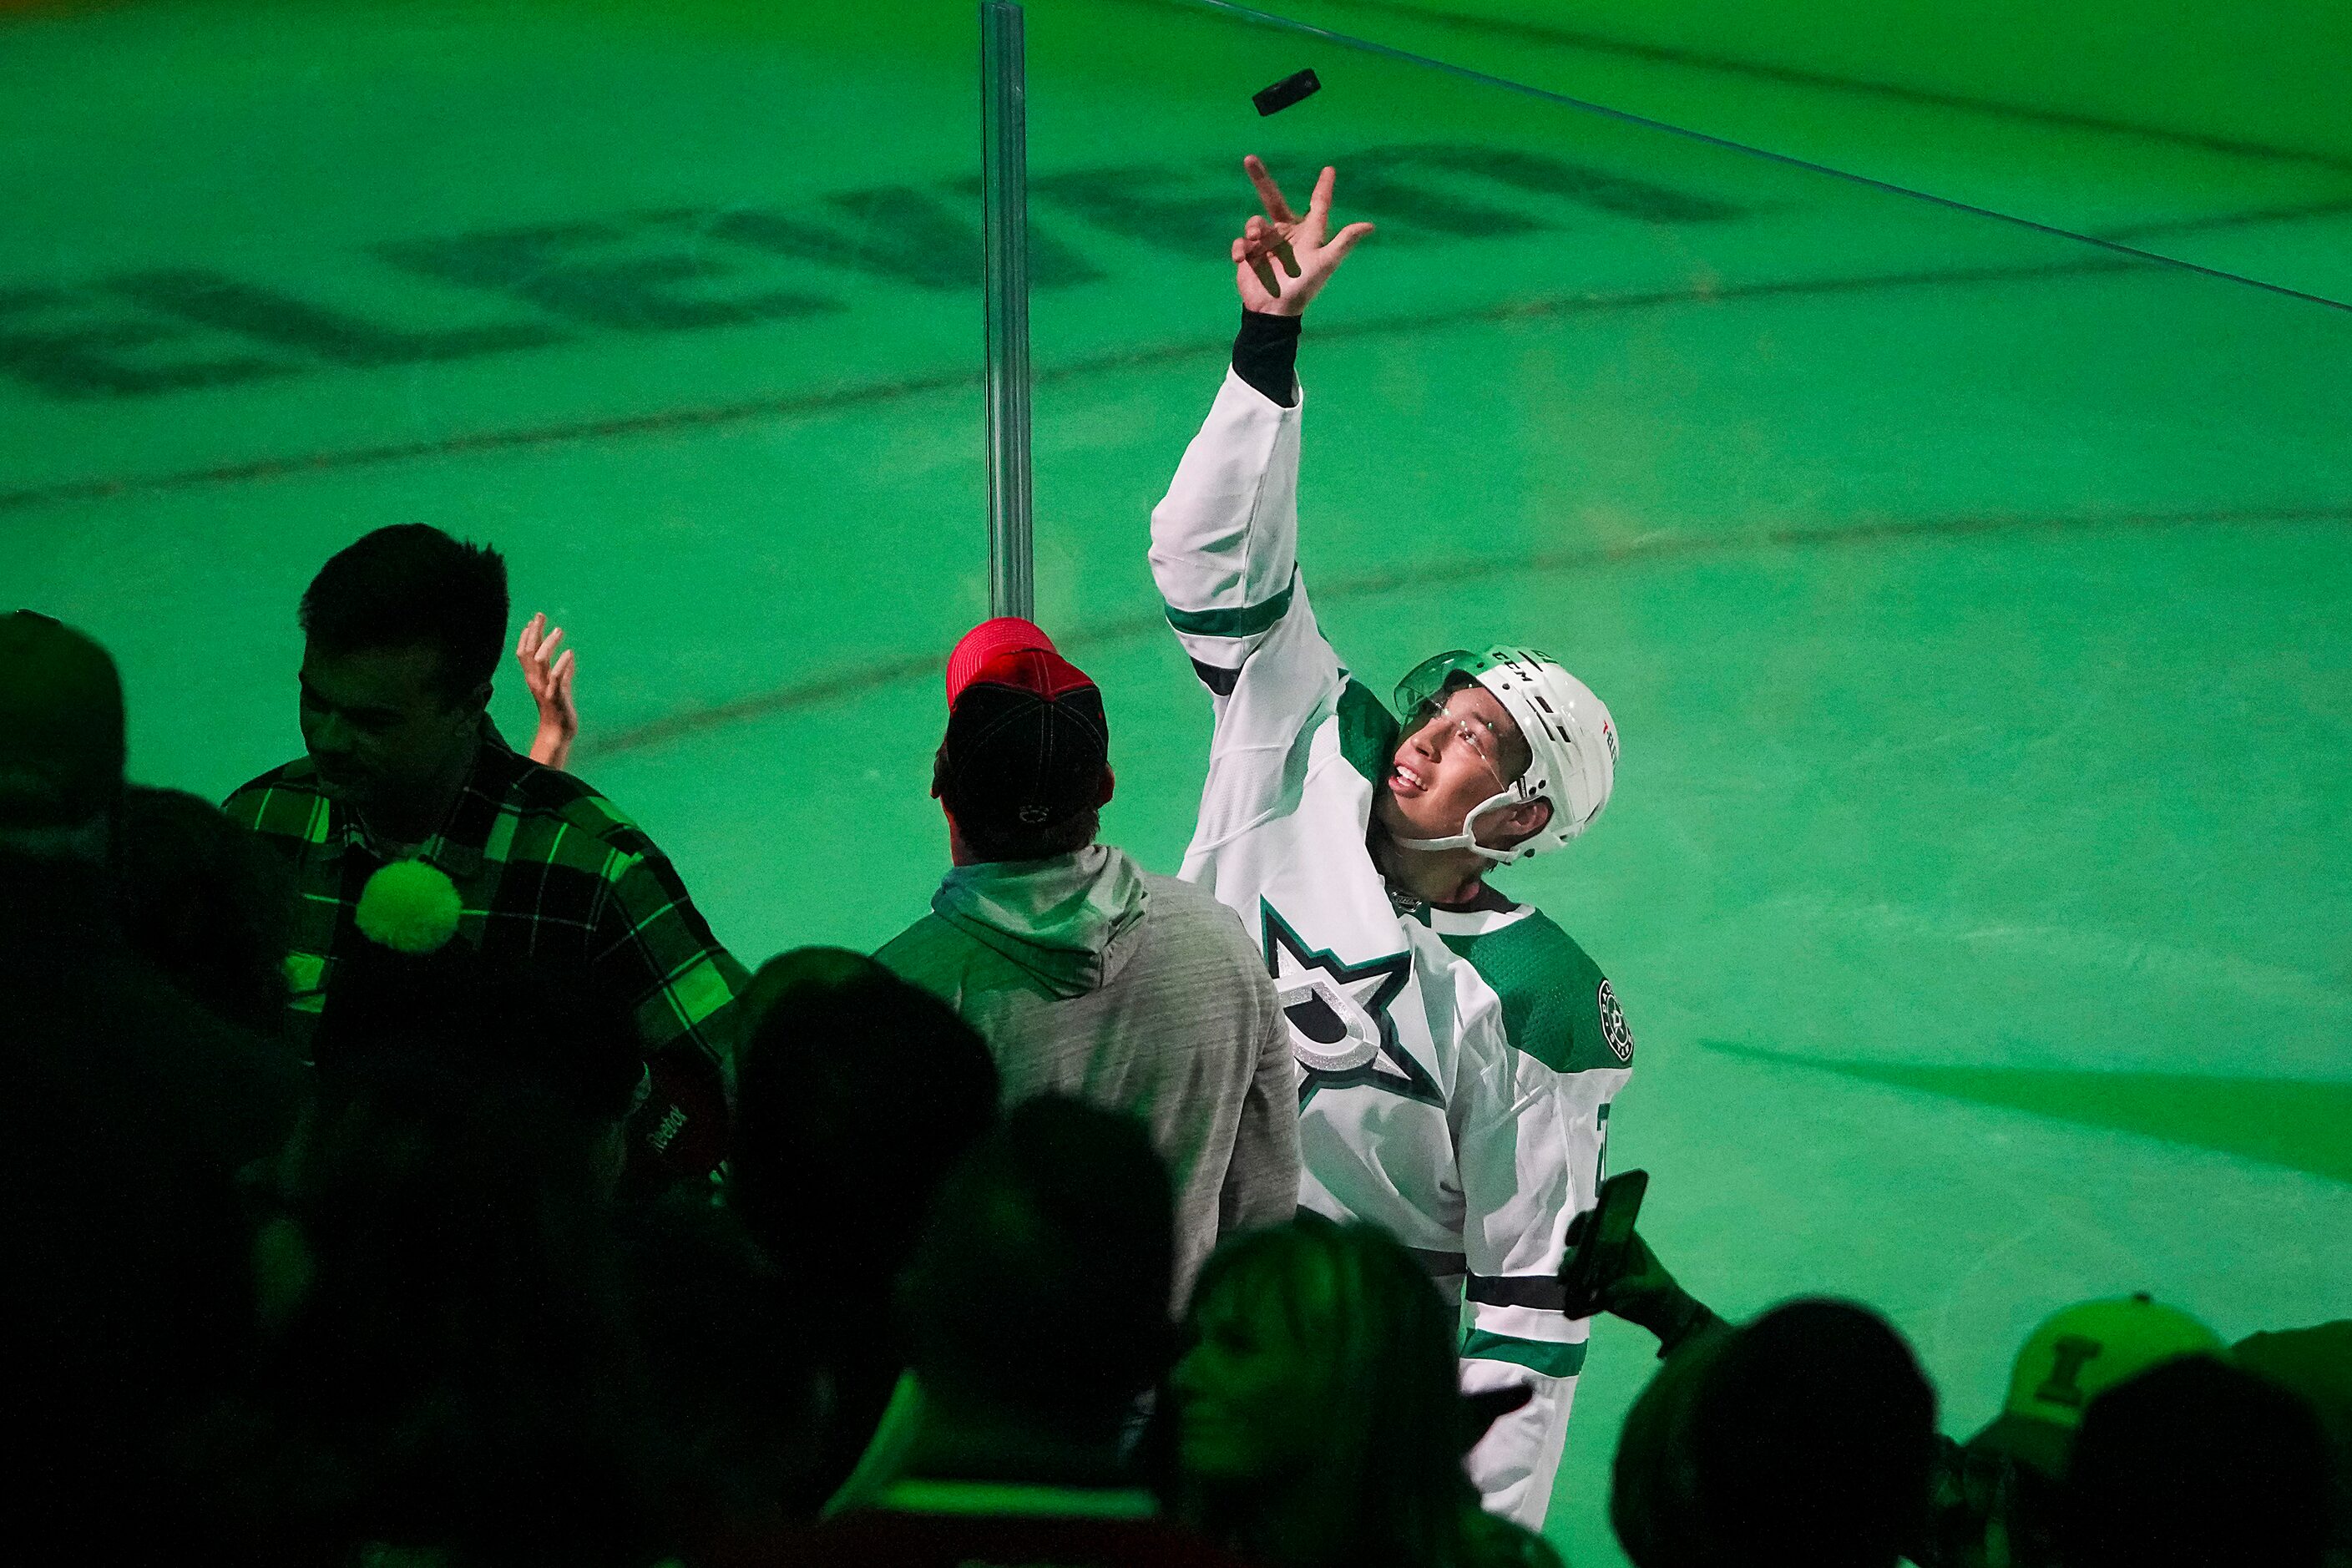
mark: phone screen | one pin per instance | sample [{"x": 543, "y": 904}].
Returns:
[
  {"x": 1613, "y": 1221},
  {"x": 1601, "y": 1254}
]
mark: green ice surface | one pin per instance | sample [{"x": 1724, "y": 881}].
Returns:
[
  {"x": 2214, "y": 133},
  {"x": 1970, "y": 600}
]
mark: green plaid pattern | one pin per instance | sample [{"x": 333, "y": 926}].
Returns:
[{"x": 541, "y": 863}]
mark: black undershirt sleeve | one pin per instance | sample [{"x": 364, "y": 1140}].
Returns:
[{"x": 1265, "y": 355}]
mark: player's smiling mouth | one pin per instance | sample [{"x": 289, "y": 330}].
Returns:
[{"x": 1404, "y": 781}]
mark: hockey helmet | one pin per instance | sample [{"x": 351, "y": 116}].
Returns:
[{"x": 1571, "y": 742}]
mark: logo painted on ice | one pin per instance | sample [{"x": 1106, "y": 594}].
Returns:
[{"x": 1614, "y": 1027}]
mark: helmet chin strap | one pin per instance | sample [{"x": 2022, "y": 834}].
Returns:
[{"x": 1468, "y": 837}]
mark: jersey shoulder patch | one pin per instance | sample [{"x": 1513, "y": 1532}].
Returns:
[
  {"x": 1368, "y": 734},
  {"x": 1558, "y": 1007}
]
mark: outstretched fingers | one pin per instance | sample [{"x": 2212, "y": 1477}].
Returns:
[
  {"x": 1284, "y": 242},
  {"x": 1318, "y": 206},
  {"x": 544, "y": 670},
  {"x": 1345, "y": 241},
  {"x": 1269, "y": 195},
  {"x": 1288, "y": 222},
  {"x": 1252, "y": 249}
]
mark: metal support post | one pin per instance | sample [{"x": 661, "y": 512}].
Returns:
[{"x": 1004, "y": 212}]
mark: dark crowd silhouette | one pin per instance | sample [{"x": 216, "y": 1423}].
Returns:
[{"x": 403, "y": 1173}]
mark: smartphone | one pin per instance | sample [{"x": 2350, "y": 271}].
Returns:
[{"x": 1599, "y": 1254}]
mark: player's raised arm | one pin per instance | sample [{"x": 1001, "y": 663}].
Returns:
[{"x": 1225, "y": 539}]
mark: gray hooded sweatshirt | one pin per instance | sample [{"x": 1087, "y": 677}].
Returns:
[{"x": 1089, "y": 977}]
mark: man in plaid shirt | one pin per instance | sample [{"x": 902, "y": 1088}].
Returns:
[{"x": 401, "y": 633}]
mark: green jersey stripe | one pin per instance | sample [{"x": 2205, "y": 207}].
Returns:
[
  {"x": 1243, "y": 623},
  {"x": 1551, "y": 1358}
]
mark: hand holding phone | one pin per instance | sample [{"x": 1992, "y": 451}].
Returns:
[{"x": 1598, "y": 1260}]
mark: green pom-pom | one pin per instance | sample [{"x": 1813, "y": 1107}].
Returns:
[{"x": 409, "y": 907}]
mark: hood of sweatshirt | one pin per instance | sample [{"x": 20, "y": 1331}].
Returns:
[{"x": 1073, "y": 922}]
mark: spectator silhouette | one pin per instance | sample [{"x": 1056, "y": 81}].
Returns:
[
  {"x": 2196, "y": 1464},
  {"x": 208, "y": 903},
  {"x": 1804, "y": 1438},
  {"x": 549, "y": 1025},
  {"x": 1035, "y": 1315},
  {"x": 126, "y": 1293},
  {"x": 1317, "y": 1418},
  {"x": 446, "y": 1363},
  {"x": 1996, "y": 1498},
  {"x": 2316, "y": 1363},
  {"x": 738, "y": 1396},
  {"x": 856, "y": 1094}
]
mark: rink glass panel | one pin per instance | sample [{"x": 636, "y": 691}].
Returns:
[
  {"x": 678, "y": 306},
  {"x": 1968, "y": 597}
]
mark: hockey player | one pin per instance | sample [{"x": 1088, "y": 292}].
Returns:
[{"x": 1457, "y": 1050}]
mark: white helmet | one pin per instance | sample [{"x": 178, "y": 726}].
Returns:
[{"x": 1571, "y": 742}]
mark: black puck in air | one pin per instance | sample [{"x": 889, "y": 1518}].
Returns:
[{"x": 1286, "y": 92}]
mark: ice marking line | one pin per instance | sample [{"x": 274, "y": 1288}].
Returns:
[
  {"x": 1797, "y": 76},
  {"x": 472, "y": 442},
  {"x": 1103, "y": 635},
  {"x": 794, "y": 405},
  {"x": 782, "y": 700}
]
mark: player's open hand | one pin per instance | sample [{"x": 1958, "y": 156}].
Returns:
[
  {"x": 549, "y": 675},
  {"x": 1282, "y": 260}
]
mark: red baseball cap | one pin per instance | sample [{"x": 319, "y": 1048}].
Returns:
[
  {"x": 1005, "y": 634},
  {"x": 1027, "y": 738}
]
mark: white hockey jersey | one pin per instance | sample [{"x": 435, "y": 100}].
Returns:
[{"x": 1455, "y": 1068}]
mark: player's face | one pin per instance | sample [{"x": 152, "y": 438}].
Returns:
[
  {"x": 1457, "y": 753},
  {"x": 1247, "y": 1394}
]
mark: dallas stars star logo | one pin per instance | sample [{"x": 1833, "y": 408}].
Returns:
[{"x": 1338, "y": 1014}]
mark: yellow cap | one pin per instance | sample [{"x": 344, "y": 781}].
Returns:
[{"x": 2078, "y": 1353}]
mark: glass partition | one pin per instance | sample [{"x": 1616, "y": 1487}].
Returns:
[
  {"x": 1967, "y": 596},
  {"x": 1669, "y": 333},
  {"x": 678, "y": 306}
]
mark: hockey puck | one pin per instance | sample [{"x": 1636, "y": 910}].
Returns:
[{"x": 1286, "y": 92}]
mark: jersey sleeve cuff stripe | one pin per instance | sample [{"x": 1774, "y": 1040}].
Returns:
[
  {"x": 1241, "y": 622},
  {"x": 1548, "y": 1359}
]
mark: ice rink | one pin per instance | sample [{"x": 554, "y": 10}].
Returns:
[{"x": 1975, "y": 601}]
